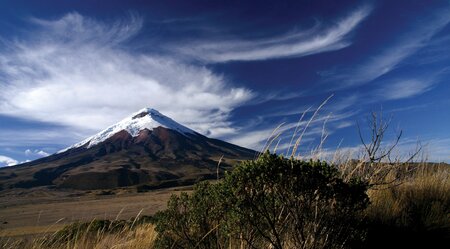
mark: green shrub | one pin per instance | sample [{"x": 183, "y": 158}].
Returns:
[
  {"x": 295, "y": 204},
  {"x": 271, "y": 201},
  {"x": 193, "y": 221}
]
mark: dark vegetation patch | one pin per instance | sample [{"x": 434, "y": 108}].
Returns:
[
  {"x": 121, "y": 177},
  {"x": 272, "y": 201},
  {"x": 381, "y": 235},
  {"x": 47, "y": 176}
]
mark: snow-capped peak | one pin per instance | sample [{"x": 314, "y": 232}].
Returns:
[{"x": 147, "y": 118}]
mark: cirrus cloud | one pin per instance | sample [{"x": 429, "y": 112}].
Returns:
[
  {"x": 293, "y": 44},
  {"x": 391, "y": 57},
  {"x": 78, "y": 72}
]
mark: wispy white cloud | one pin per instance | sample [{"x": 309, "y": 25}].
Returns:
[
  {"x": 252, "y": 139},
  {"x": 436, "y": 51},
  {"x": 404, "y": 89},
  {"x": 408, "y": 86},
  {"x": 390, "y": 58},
  {"x": 7, "y": 161},
  {"x": 77, "y": 72},
  {"x": 438, "y": 149},
  {"x": 39, "y": 153},
  {"x": 431, "y": 150},
  {"x": 344, "y": 124},
  {"x": 258, "y": 138},
  {"x": 407, "y": 108},
  {"x": 334, "y": 118},
  {"x": 37, "y": 137},
  {"x": 294, "y": 44},
  {"x": 76, "y": 29}
]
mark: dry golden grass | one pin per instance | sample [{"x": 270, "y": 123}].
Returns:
[
  {"x": 29, "y": 230},
  {"x": 422, "y": 199},
  {"x": 413, "y": 214},
  {"x": 137, "y": 237},
  {"x": 142, "y": 236}
]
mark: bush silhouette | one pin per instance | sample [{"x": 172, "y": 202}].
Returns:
[
  {"x": 191, "y": 221},
  {"x": 271, "y": 201}
]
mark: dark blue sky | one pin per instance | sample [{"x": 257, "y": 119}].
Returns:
[{"x": 233, "y": 70}]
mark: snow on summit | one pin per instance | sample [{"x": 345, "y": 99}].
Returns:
[{"x": 147, "y": 118}]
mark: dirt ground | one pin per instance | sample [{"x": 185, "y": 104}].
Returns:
[{"x": 41, "y": 211}]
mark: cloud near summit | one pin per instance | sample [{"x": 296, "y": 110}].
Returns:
[
  {"x": 7, "y": 161},
  {"x": 82, "y": 72},
  {"x": 78, "y": 72}
]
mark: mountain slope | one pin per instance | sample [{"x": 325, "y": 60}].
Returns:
[
  {"x": 146, "y": 148},
  {"x": 146, "y": 118}
]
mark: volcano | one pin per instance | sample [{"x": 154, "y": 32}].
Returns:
[{"x": 146, "y": 149}]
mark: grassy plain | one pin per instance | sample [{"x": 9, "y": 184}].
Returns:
[{"x": 30, "y": 212}]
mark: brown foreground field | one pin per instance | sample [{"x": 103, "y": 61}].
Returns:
[
  {"x": 415, "y": 213},
  {"x": 31, "y": 212}
]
